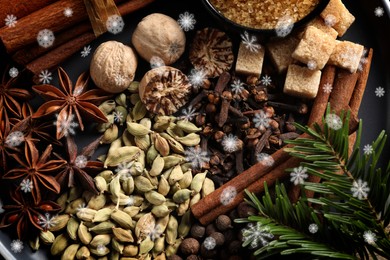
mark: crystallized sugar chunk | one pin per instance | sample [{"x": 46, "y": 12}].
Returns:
[
  {"x": 347, "y": 55},
  {"x": 337, "y": 15},
  {"x": 315, "y": 48},
  {"x": 302, "y": 82},
  {"x": 250, "y": 61},
  {"x": 319, "y": 23},
  {"x": 280, "y": 51}
]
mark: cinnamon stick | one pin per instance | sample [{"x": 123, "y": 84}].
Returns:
[
  {"x": 20, "y": 8},
  {"x": 343, "y": 87}
]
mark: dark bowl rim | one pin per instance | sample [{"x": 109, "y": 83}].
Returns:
[{"x": 310, "y": 16}]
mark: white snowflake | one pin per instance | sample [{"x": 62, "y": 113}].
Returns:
[
  {"x": 363, "y": 60},
  {"x": 186, "y": 21},
  {"x": 265, "y": 159},
  {"x": 156, "y": 62},
  {"x": 369, "y": 237},
  {"x": 379, "y": 11},
  {"x": 360, "y": 189},
  {"x": 379, "y": 92},
  {"x": 10, "y": 20},
  {"x": 367, "y": 149},
  {"x": 261, "y": 120},
  {"x": 67, "y": 124},
  {"x": 298, "y": 175},
  {"x": 130, "y": 201},
  {"x": 81, "y": 207},
  {"x": 256, "y": 235},
  {"x": 188, "y": 113},
  {"x": 250, "y": 42},
  {"x": 313, "y": 228},
  {"x": 45, "y": 77},
  {"x": 86, "y": 51},
  {"x": 196, "y": 156},
  {"x": 228, "y": 195},
  {"x": 155, "y": 232},
  {"x": 120, "y": 80},
  {"x": 209, "y": 243},
  {"x": 17, "y": 246},
  {"x": 118, "y": 116},
  {"x": 327, "y": 88},
  {"x": 266, "y": 80},
  {"x": 115, "y": 24},
  {"x": 14, "y": 138},
  {"x": 101, "y": 249},
  {"x": 197, "y": 78},
  {"x": 284, "y": 26},
  {"x": 174, "y": 48},
  {"x": 237, "y": 86},
  {"x": 26, "y": 185},
  {"x": 81, "y": 161},
  {"x": 45, "y": 38},
  {"x": 333, "y": 121},
  {"x": 230, "y": 143},
  {"x": 13, "y": 72},
  {"x": 330, "y": 20},
  {"x": 124, "y": 169},
  {"x": 46, "y": 221},
  {"x": 312, "y": 65},
  {"x": 68, "y": 12}
]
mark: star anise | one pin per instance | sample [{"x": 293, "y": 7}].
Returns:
[
  {"x": 26, "y": 213},
  {"x": 79, "y": 167},
  {"x": 36, "y": 169},
  {"x": 10, "y": 96},
  {"x": 70, "y": 102}
]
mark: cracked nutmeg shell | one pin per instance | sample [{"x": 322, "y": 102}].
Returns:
[
  {"x": 211, "y": 52},
  {"x": 164, "y": 90}
]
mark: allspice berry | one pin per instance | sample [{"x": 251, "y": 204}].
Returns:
[
  {"x": 197, "y": 231},
  {"x": 234, "y": 247},
  {"x": 245, "y": 210},
  {"x": 219, "y": 238},
  {"x": 174, "y": 257},
  {"x": 223, "y": 223},
  {"x": 210, "y": 229},
  {"x": 189, "y": 246},
  {"x": 193, "y": 257}
]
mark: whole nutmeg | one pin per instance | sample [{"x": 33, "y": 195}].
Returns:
[
  {"x": 219, "y": 238},
  {"x": 189, "y": 246},
  {"x": 197, "y": 231},
  {"x": 113, "y": 66},
  {"x": 159, "y": 36},
  {"x": 223, "y": 223}
]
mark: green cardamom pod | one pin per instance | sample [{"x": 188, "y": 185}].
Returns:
[
  {"x": 137, "y": 129},
  {"x": 139, "y": 111},
  {"x": 160, "y": 211},
  {"x": 154, "y": 197},
  {"x": 151, "y": 154},
  {"x": 132, "y": 210},
  {"x": 83, "y": 234},
  {"x": 102, "y": 215},
  {"x": 172, "y": 160},
  {"x": 185, "y": 225},
  {"x": 159, "y": 245},
  {"x": 183, "y": 207},
  {"x": 74, "y": 205},
  {"x": 182, "y": 195},
  {"x": 157, "y": 166},
  {"x": 122, "y": 218},
  {"x": 102, "y": 239},
  {"x": 97, "y": 202},
  {"x": 163, "y": 186},
  {"x": 171, "y": 230},
  {"x": 185, "y": 182},
  {"x": 122, "y": 155},
  {"x": 102, "y": 228},
  {"x": 128, "y": 186},
  {"x": 100, "y": 183},
  {"x": 143, "y": 142},
  {"x": 197, "y": 182},
  {"x": 189, "y": 140},
  {"x": 172, "y": 248},
  {"x": 145, "y": 226},
  {"x": 72, "y": 228},
  {"x": 146, "y": 245},
  {"x": 121, "y": 99},
  {"x": 133, "y": 87},
  {"x": 86, "y": 214},
  {"x": 176, "y": 175},
  {"x": 134, "y": 98},
  {"x": 162, "y": 123},
  {"x": 59, "y": 222},
  {"x": 208, "y": 187},
  {"x": 101, "y": 251},
  {"x": 83, "y": 253},
  {"x": 70, "y": 252},
  {"x": 161, "y": 144},
  {"x": 46, "y": 237},
  {"x": 173, "y": 144},
  {"x": 107, "y": 106},
  {"x": 187, "y": 126},
  {"x": 130, "y": 250},
  {"x": 195, "y": 199},
  {"x": 107, "y": 175},
  {"x": 122, "y": 235},
  {"x": 110, "y": 134},
  {"x": 60, "y": 243},
  {"x": 147, "y": 122},
  {"x": 127, "y": 139},
  {"x": 62, "y": 201},
  {"x": 120, "y": 114},
  {"x": 117, "y": 246},
  {"x": 143, "y": 184}
]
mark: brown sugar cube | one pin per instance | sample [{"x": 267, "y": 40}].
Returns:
[
  {"x": 319, "y": 23},
  {"x": 280, "y": 51},
  {"x": 337, "y": 15},
  {"x": 250, "y": 62},
  {"x": 347, "y": 55},
  {"x": 302, "y": 82},
  {"x": 315, "y": 48}
]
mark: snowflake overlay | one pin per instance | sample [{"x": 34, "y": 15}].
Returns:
[
  {"x": 45, "y": 38},
  {"x": 266, "y": 80},
  {"x": 379, "y": 11},
  {"x": 312, "y": 65},
  {"x": 363, "y": 60},
  {"x": 101, "y": 249},
  {"x": 360, "y": 189},
  {"x": 68, "y": 12},
  {"x": 230, "y": 143},
  {"x": 330, "y": 20},
  {"x": 46, "y": 221},
  {"x": 209, "y": 243},
  {"x": 124, "y": 170},
  {"x": 26, "y": 185},
  {"x": 261, "y": 120},
  {"x": 120, "y": 80},
  {"x": 197, "y": 78},
  {"x": 115, "y": 24},
  {"x": 10, "y": 20},
  {"x": 156, "y": 62},
  {"x": 81, "y": 161},
  {"x": 256, "y": 235},
  {"x": 333, "y": 121},
  {"x": 67, "y": 124},
  {"x": 284, "y": 26},
  {"x": 327, "y": 88},
  {"x": 17, "y": 246},
  {"x": 367, "y": 149},
  {"x": 313, "y": 228},
  {"x": 379, "y": 92},
  {"x": 155, "y": 232},
  {"x": 14, "y": 139},
  {"x": 118, "y": 116},
  {"x": 186, "y": 21},
  {"x": 298, "y": 175},
  {"x": 13, "y": 72},
  {"x": 45, "y": 77},
  {"x": 86, "y": 51},
  {"x": 237, "y": 86},
  {"x": 250, "y": 42},
  {"x": 228, "y": 194},
  {"x": 369, "y": 237},
  {"x": 188, "y": 113},
  {"x": 265, "y": 159},
  {"x": 196, "y": 156}
]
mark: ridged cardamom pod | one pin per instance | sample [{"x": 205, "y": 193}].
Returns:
[
  {"x": 157, "y": 166},
  {"x": 133, "y": 87},
  {"x": 70, "y": 252},
  {"x": 188, "y": 127},
  {"x": 72, "y": 227},
  {"x": 86, "y": 214},
  {"x": 46, "y": 237},
  {"x": 143, "y": 142},
  {"x": 161, "y": 144},
  {"x": 100, "y": 183},
  {"x": 107, "y": 106},
  {"x": 185, "y": 182},
  {"x": 122, "y": 155},
  {"x": 183, "y": 207},
  {"x": 60, "y": 243},
  {"x": 59, "y": 222},
  {"x": 197, "y": 182},
  {"x": 83, "y": 253},
  {"x": 122, "y": 218},
  {"x": 151, "y": 154},
  {"x": 185, "y": 225},
  {"x": 172, "y": 160},
  {"x": 176, "y": 175},
  {"x": 102, "y": 215},
  {"x": 160, "y": 211},
  {"x": 143, "y": 184},
  {"x": 97, "y": 202},
  {"x": 172, "y": 248},
  {"x": 83, "y": 234},
  {"x": 130, "y": 250},
  {"x": 122, "y": 235},
  {"x": 145, "y": 226},
  {"x": 102, "y": 239},
  {"x": 146, "y": 245},
  {"x": 102, "y": 251},
  {"x": 137, "y": 129},
  {"x": 208, "y": 187},
  {"x": 171, "y": 231},
  {"x": 110, "y": 135},
  {"x": 117, "y": 246},
  {"x": 154, "y": 197},
  {"x": 102, "y": 228},
  {"x": 173, "y": 144},
  {"x": 182, "y": 195},
  {"x": 132, "y": 210},
  {"x": 139, "y": 111},
  {"x": 121, "y": 99},
  {"x": 189, "y": 140},
  {"x": 163, "y": 186}
]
